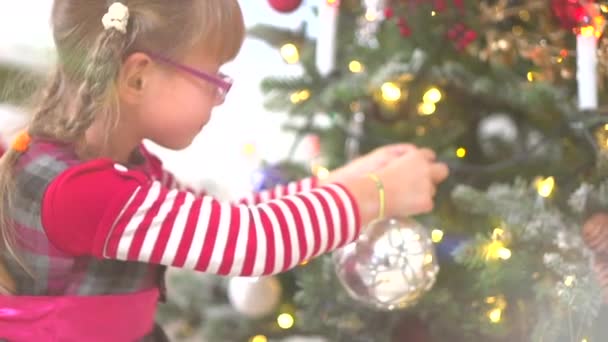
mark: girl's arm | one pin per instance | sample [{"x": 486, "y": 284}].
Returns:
[{"x": 101, "y": 210}]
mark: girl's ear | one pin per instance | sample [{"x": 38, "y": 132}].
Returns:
[{"x": 132, "y": 77}]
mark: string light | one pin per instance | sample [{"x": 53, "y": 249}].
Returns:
[
  {"x": 504, "y": 253},
  {"x": 390, "y": 92},
  {"x": 437, "y": 235},
  {"x": 461, "y": 152},
  {"x": 496, "y": 250},
  {"x": 491, "y": 250},
  {"x": 499, "y": 305},
  {"x": 319, "y": 171},
  {"x": 498, "y": 233},
  {"x": 495, "y": 315},
  {"x": 545, "y": 186},
  {"x": 355, "y": 67},
  {"x": 569, "y": 281},
  {"x": 322, "y": 173},
  {"x": 426, "y": 108},
  {"x": 595, "y": 29},
  {"x": 587, "y": 31},
  {"x": 532, "y": 76},
  {"x": 258, "y": 338},
  {"x": 432, "y": 95},
  {"x": 290, "y": 53},
  {"x": 300, "y": 96},
  {"x": 285, "y": 321}
]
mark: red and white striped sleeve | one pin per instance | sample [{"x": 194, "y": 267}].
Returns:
[
  {"x": 280, "y": 191},
  {"x": 142, "y": 220},
  {"x": 168, "y": 179}
]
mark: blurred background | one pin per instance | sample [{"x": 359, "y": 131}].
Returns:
[{"x": 510, "y": 93}]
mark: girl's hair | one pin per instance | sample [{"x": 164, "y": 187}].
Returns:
[{"x": 82, "y": 88}]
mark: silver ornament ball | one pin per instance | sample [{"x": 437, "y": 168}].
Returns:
[
  {"x": 497, "y": 132},
  {"x": 254, "y": 297},
  {"x": 391, "y": 266}
]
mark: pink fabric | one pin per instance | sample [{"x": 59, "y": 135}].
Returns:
[{"x": 69, "y": 318}]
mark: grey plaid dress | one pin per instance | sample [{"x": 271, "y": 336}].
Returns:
[{"x": 56, "y": 273}]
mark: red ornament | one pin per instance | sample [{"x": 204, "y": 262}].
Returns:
[
  {"x": 461, "y": 36},
  {"x": 572, "y": 13},
  {"x": 456, "y": 31},
  {"x": 285, "y": 6},
  {"x": 389, "y": 13},
  {"x": 470, "y": 36},
  {"x": 404, "y": 29}
]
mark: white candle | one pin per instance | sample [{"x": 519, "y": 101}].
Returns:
[
  {"x": 326, "y": 41},
  {"x": 586, "y": 75}
]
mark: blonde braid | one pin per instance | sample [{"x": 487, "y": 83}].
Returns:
[{"x": 93, "y": 95}]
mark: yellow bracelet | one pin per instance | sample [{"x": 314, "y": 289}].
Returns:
[{"x": 380, "y": 187}]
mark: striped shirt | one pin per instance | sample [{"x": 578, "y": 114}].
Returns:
[{"x": 105, "y": 210}]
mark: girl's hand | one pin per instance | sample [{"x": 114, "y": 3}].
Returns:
[
  {"x": 410, "y": 182},
  {"x": 371, "y": 162}
]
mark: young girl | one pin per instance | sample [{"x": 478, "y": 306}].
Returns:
[{"x": 90, "y": 220}]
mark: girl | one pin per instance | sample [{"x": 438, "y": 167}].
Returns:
[{"x": 89, "y": 217}]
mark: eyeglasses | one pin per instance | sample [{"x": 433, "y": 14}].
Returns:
[{"x": 221, "y": 81}]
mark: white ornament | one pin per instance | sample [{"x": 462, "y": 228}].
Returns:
[
  {"x": 254, "y": 297},
  {"x": 495, "y": 130},
  {"x": 116, "y": 18}
]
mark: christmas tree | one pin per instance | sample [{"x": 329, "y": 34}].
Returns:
[{"x": 506, "y": 92}]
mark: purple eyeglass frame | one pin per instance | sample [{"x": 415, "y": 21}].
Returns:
[{"x": 223, "y": 82}]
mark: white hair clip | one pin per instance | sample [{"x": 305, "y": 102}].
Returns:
[{"x": 117, "y": 17}]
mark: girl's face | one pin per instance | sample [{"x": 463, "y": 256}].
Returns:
[{"x": 177, "y": 98}]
